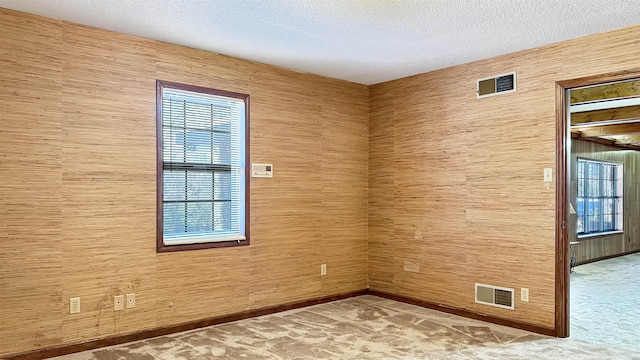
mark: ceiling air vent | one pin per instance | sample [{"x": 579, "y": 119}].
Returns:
[
  {"x": 496, "y": 85},
  {"x": 495, "y": 296}
]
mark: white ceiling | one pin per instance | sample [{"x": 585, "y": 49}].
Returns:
[{"x": 364, "y": 41}]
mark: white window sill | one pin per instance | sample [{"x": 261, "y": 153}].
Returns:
[
  {"x": 199, "y": 239},
  {"x": 587, "y": 236}
]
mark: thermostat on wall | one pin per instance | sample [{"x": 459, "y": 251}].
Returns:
[{"x": 262, "y": 170}]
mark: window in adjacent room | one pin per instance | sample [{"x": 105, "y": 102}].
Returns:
[
  {"x": 599, "y": 202},
  {"x": 202, "y": 167}
]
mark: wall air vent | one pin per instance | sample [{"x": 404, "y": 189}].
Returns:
[
  {"x": 496, "y": 85},
  {"x": 495, "y": 296}
]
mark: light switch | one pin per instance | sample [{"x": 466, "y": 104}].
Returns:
[{"x": 548, "y": 175}]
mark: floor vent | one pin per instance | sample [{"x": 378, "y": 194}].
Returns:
[
  {"x": 495, "y": 296},
  {"x": 496, "y": 85}
]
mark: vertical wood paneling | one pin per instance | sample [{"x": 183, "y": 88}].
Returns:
[
  {"x": 381, "y": 190},
  {"x": 453, "y": 184},
  {"x": 108, "y": 174},
  {"x": 344, "y": 203},
  {"x": 601, "y": 53},
  {"x": 592, "y": 248},
  {"x": 287, "y": 238},
  {"x": 510, "y": 210},
  {"x": 194, "y": 285},
  {"x": 429, "y": 177},
  {"x": 470, "y": 201},
  {"x": 78, "y": 186},
  {"x": 30, "y": 183},
  {"x": 201, "y": 68}
]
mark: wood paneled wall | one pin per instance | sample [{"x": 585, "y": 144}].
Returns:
[
  {"x": 456, "y": 190},
  {"x": 592, "y": 248},
  {"x": 77, "y": 186},
  {"x": 449, "y": 188}
]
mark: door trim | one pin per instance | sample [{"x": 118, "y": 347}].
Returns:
[
  {"x": 562, "y": 245},
  {"x": 562, "y": 287}
]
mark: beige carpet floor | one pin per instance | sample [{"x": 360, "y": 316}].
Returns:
[
  {"x": 365, "y": 327},
  {"x": 605, "y": 302}
]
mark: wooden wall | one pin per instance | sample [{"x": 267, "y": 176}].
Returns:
[
  {"x": 456, "y": 191},
  {"x": 592, "y": 248},
  {"x": 453, "y": 184},
  {"x": 77, "y": 186}
]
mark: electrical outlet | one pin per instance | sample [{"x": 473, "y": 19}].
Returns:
[
  {"x": 118, "y": 302},
  {"x": 131, "y": 301},
  {"x": 524, "y": 294},
  {"x": 74, "y": 305},
  {"x": 323, "y": 269}
]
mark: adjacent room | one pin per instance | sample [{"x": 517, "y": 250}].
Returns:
[
  {"x": 604, "y": 158},
  {"x": 318, "y": 179}
]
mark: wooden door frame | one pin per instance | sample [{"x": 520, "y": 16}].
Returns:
[{"x": 562, "y": 198}]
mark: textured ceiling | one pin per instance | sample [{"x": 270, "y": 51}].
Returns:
[{"x": 364, "y": 41}]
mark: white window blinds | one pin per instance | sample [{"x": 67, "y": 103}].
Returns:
[
  {"x": 203, "y": 165},
  {"x": 600, "y": 194}
]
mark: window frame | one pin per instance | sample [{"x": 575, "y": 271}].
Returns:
[
  {"x": 160, "y": 245},
  {"x": 620, "y": 179}
]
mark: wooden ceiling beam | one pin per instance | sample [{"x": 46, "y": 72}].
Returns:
[
  {"x": 604, "y": 92},
  {"x": 607, "y": 130},
  {"x": 627, "y": 139},
  {"x": 594, "y": 139},
  {"x": 616, "y": 114},
  {"x": 629, "y": 147},
  {"x": 609, "y": 142}
]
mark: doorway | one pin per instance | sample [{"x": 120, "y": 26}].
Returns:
[{"x": 597, "y": 112}]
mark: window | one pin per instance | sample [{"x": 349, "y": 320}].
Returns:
[
  {"x": 599, "y": 203},
  {"x": 202, "y": 167}
]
